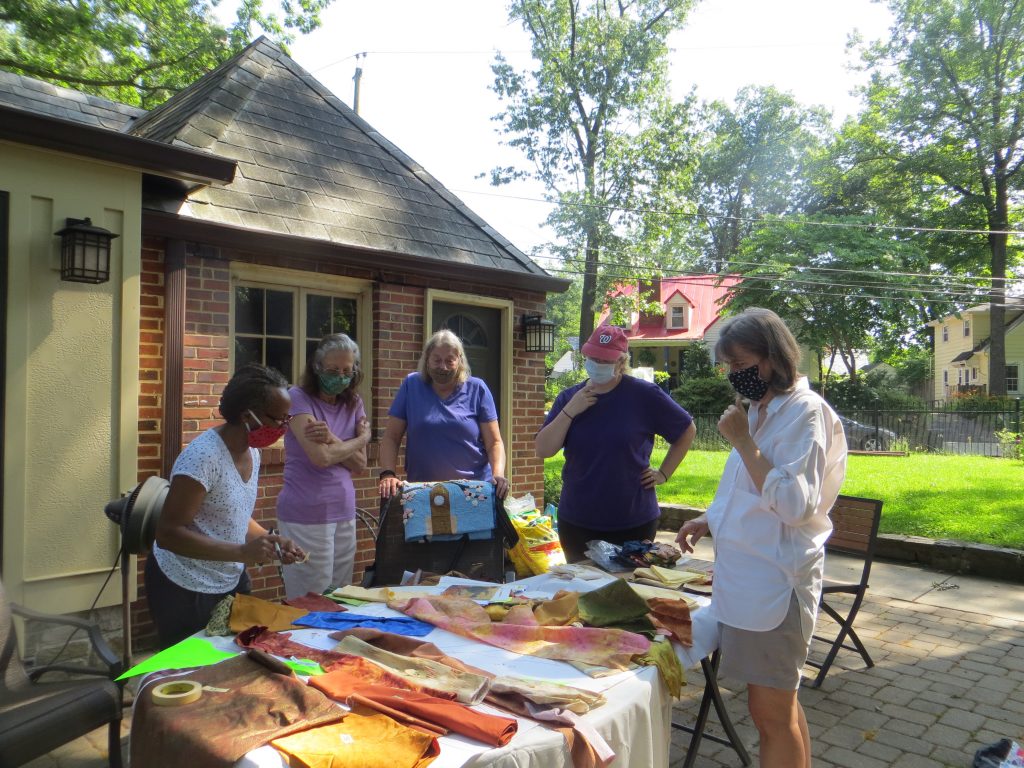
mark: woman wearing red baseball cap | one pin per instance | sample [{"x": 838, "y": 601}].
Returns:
[{"x": 606, "y": 427}]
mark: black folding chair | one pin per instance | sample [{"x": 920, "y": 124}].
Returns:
[
  {"x": 854, "y": 532},
  {"x": 712, "y": 696},
  {"x": 483, "y": 559}
]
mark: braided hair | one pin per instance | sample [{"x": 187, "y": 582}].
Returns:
[{"x": 248, "y": 390}]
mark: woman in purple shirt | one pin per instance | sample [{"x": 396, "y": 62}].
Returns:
[
  {"x": 325, "y": 445},
  {"x": 606, "y": 426},
  {"x": 450, "y": 419}
]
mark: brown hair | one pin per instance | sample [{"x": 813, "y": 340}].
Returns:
[{"x": 762, "y": 332}]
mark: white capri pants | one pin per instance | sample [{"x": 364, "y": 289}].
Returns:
[{"x": 332, "y": 555}]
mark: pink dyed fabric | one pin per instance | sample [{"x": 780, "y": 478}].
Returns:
[{"x": 601, "y": 647}]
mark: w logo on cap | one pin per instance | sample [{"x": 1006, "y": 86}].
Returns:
[{"x": 605, "y": 338}]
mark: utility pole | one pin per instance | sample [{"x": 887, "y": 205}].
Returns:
[{"x": 356, "y": 78}]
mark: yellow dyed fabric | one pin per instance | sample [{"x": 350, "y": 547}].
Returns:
[
  {"x": 248, "y": 611},
  {"x": 359, "y": 741}
]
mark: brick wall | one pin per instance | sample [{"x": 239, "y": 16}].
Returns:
[{"x": 397, "y": 338}]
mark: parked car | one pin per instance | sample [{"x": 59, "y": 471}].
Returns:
[{"x": 866, "y": 438}]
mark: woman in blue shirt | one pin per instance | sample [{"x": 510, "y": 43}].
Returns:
[
  {"x": 450, "y": 419},
  {"x": 606, "y": 426}
]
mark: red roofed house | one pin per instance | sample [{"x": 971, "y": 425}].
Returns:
[{"x": 692, "y": 308}]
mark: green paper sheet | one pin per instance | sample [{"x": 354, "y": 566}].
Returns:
[
  {"x": 190, "y": 652},
  {"x": 305, "y": 667}
]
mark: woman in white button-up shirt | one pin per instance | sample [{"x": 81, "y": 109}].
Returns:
[{"x": 769, "y": 520}]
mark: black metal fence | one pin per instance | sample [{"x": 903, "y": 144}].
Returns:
[{"x": 943, "y": 428}]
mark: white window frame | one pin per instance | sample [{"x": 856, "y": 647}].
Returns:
[
  {"x": 303, "y": 283},
  {"x": 945, "y": 333},
  {"x": 1015, "y": 390},
  {"x": 967, "y": 326},
  {"x": 670, "y": 315}
]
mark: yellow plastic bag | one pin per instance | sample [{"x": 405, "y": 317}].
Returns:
[{"x": 538, "y": 548}]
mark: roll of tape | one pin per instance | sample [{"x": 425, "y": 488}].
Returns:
[{"x": 177, "y": 693}]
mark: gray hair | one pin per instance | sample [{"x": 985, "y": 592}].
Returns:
[
  {"x": 335, "y": 342},
  {"x": 763, "y": 333},
  {"x": 444, "y": 338}
]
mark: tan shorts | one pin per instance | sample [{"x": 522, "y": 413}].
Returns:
[{"x": 772, "y": 658}]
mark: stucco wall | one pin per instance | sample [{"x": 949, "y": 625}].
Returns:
[{"x": 72, "y": 382}]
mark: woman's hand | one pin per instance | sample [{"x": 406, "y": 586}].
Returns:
[
  {"x": 289, "y": 552},
  {"x": 691, "y": 532},
  {"x": 317, "y": 432},
  {"x": 363, "y": 430},
  {"x": 583, "y": 399},
  {"x": 259, "y": 549},
  {"x": 500, "y": 486},
  {"x": 389, "y": 486},
  {"x": 733, "y": 424},
  {"x": 652, "y": 477}
]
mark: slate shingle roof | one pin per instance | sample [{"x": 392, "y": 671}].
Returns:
[
  {"x": 53, "y": 100},
  {"x": 309, "y": 166}
]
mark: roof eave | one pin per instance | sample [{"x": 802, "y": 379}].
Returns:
[
  {"x": 172, "y": 225},
  {"x": 189, "y": 165}
]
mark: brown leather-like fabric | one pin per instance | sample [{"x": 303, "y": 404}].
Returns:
[{"x": 218, "y": 728}]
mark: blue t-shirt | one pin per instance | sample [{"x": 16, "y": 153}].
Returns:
[
  {"x": 607, "y": 449},
  {"x": 443, "y": 439}
]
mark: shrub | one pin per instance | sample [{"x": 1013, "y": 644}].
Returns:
[
  {"x": 552, "y": 485},
  {"x": 710, "y": 395},
  {"x": 552, "y": 387},
  {"x": 1010, "y": 443}
]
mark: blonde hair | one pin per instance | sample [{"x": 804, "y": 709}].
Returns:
[{"x": 444, "y": 338}]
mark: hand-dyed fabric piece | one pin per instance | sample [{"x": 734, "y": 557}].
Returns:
[
  {"x": 358, "y": 701},
  {"x": 281, "y": 644},
  {"x": 669, "y": 667},
  {"x": 467, "y": 687},
  {"x": 648, "y": 592},
  {"x": 559, "y": 611},
  {"x": 218, "y": 728},
  {"x": 675, "y": 616},
  {"x": 458, "y": 718},
  {"x": 402, "y": 625},
  {"x": 603, "y": 647},
  {"x": 518, "y": 614},
  {"x": 408, "y": 646},
  {"x": 353, "y": 672},
  {"x": 312, "y": 602},
  {"x": 586, "y": 746},
  {"x": 548, "y": 694},
  {"x": 220, "y": 618},
  {"x": 614, "y": 604},
  {"x": 667, "y": 577},
  {"x": 248, "y": 611},
  {"x": 361, "y": 740},
  {"x": 354, "y": 592}
]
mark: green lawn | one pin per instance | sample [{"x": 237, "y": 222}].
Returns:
[{"x": 971, "y": 498}]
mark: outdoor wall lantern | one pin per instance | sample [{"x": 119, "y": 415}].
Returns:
[
  {"x": 84, "y": 252},
  {"x": 540, "y": 334}
]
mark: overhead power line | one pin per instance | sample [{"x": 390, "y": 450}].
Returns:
[{"x": 776, "y": 219}]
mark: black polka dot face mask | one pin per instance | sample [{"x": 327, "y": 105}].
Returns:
[{"x": 748, "y": 384}]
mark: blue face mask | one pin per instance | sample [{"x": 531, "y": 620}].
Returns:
[
  {"x": 599, "y": 373},
  {"x": 333, "y": 383}
]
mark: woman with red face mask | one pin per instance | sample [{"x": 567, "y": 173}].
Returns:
[{"x": 206, "y": 535}]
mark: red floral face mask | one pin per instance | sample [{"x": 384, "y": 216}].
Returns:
[{"x": 263, "y": 435}]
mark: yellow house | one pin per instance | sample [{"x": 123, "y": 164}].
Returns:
[{"x": 961, "y": 351}]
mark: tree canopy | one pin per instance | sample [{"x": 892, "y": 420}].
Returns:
[
  {"x": 594, "y": 120},
  {"x": 136, "y": 52}
]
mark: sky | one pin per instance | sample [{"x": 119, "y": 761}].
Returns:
[{"x": 426, "y": 77}]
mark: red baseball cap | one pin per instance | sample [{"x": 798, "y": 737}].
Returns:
[{"x": 607, "y": 343}]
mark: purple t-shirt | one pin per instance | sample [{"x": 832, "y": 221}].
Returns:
[
  {"x": 312, "y": 494},
  {"x": 606, "y": 450},
  {"x": 443, "y": 439}
]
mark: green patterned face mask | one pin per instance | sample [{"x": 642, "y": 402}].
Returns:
[{"x": 333, "y": 383}]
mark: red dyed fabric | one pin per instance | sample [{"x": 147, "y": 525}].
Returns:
[
  {"x": 353, "y": 673},
  {"x": 315, "y": 603},
  {"x": 458, "y": 718}
]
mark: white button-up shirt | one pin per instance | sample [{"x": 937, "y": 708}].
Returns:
[{"x": 770, "y": 543}]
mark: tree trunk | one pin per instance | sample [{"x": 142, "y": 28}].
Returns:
[
  {"x": 998, "y": 223},
  {"x": 589, "y": 299}
]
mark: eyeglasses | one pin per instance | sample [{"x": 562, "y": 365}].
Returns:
[{"x": 279, "y": 422}]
